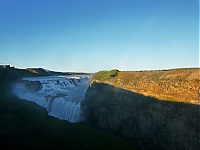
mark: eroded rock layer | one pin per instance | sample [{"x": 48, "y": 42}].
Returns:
[{"x": 155, "y": 109}]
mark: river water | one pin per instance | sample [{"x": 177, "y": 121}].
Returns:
[{"x": 60, "y": 95}]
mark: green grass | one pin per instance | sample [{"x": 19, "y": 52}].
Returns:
[{"x": 105, "y": 75}]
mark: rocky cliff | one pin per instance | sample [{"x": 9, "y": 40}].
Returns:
[
  {"x": 180, "y": 85},
  {"x": 25, "y": 125},
  {"x": 155, "y": 109}
]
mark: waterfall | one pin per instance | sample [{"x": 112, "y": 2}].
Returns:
[{"x": 60, "y": 95}]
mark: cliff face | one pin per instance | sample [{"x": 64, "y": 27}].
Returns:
[
  {"x": 180, "y": 85},
  {"x": 129, "y": 103}
]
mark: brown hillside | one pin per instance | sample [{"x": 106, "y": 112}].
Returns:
[{"x": 180, "y": 85}]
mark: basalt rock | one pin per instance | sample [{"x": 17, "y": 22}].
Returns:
[
  {"x": 33, "y": 86},
  {"x": 132, "y": 104}
]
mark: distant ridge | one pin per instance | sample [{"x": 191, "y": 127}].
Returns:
[
  {"x": 44, "y": 72},
  {"x": 36, "y": 71}
]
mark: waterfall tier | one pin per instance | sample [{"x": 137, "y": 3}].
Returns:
[{"x": 60, "y": 95}]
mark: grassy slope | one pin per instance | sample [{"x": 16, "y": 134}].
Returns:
[
  {"x": 173, "y": 85},
  {"x": 26, "y": 125},
  {"x": 169, "y": 124},
  {"x": 105, "y": 75}
]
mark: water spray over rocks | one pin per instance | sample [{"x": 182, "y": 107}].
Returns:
[{"x": 60, "y": 95}]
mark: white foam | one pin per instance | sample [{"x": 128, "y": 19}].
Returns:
[{"x": 60, "y": 95}]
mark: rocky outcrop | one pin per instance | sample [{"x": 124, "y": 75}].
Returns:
[
  {"x": 32, "y": 86},
  {"x": 122, "y": 104}
]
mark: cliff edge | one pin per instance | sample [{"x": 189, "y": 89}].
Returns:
[
  {"x": 154, "y": 109},
  {"x": 180, "y": 85}
]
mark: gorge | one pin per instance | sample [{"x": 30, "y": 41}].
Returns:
[
  {"x": 155, "y": 109},
  {"x": 151, "y": 109},
  {"x": 60, "y": 95}
]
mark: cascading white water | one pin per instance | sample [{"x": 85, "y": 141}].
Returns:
[{"x": 60, "y": 95}]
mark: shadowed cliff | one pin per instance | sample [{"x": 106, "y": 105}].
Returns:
[
  {"x": 180, "y": 85},
  {"x": 148, "y": 122},
  {"x": 25, "y": 125}
]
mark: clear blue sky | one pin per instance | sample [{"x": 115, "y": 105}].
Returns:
[{"x": 92, "y": 35}]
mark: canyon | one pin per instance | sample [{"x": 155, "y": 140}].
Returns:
[
  {"x": 26, "y": 125},
  {"x": 60, "y": 95},
  {"x": 156, "y": 109}
]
